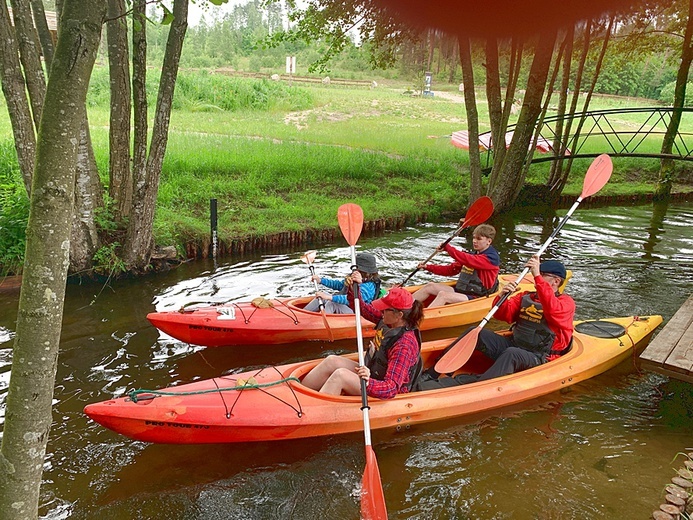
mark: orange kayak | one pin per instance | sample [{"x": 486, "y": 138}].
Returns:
[
  {"x": 286, "y": 321},
  {"x": 272, "y": 404}
]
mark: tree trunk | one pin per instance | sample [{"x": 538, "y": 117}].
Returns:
[
  {"x": 84, "y": 240},
  {"x": 511, "y": 177},
  {"x": 666, "y": 170},
  {"x": 28, "y": 413},
  {"x": 30, "y": 56},
  {"x": 431, "y": 48},
  {"x": 14, "y": 89},
  {"x": 472, "y": 118},
  {"x": 120, "y": 174},
  {"x": 559, "y": 145},
  {"x": 563, "y": 179},
  {"x": 545, "y": 108},
  {"x": 571, "y": 143},
  {"x": 503, "y": 116},
  {"x": 43, "y": 32},
  {"x": 493, "y": 96},
  {"x": 139, "y": 240}
]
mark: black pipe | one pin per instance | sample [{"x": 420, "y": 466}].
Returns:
[{"x": 213, "y": 225}]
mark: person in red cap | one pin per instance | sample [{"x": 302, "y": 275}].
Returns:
[
  {"x": 543, "y": 328},
  {"x": 393, "y": 361}
]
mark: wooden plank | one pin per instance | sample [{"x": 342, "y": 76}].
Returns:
[
  {"x": 669, "y": 373},
  {"x": 682, "y": 355},
  {"x": 663, "y": 345}
]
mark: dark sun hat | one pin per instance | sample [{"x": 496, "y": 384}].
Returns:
[
  {"x": 553, "y": 267},
  {"x": 366, "y": 262}
]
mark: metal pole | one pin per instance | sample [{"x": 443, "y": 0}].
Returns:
[{"x": 213, "y": 226}]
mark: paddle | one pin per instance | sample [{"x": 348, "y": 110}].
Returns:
[
  {"x": 462, "y": 348},
  {"x": 350, "y": 217},
  {"x": 309, "y": 258},
  {"x": 480, "y": 210}
]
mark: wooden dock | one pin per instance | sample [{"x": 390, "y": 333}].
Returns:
[{"x": 671, "y": 352}]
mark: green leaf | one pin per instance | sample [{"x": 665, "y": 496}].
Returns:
[
  {"x": 168, "y": 16},
  {"x": 219, "y": 2}
]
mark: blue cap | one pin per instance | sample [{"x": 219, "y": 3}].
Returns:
[{"x": 552, "y": 267}]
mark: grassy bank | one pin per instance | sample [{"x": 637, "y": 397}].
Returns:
[{"x": 286, "y": 166}]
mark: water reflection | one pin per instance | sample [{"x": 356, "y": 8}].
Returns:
[{"x": 605, "y": 446}]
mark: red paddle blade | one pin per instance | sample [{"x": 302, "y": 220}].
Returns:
[
  {"x": 459, "y": 354},
  {"x": 597, "y": 175},
  {"x": 479, "y": 212},
  {"x": 372, "y": 497},
  {"x": 350, "y": 218}
]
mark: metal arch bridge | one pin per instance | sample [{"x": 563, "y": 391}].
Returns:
[{"x": 622, "y": 132}]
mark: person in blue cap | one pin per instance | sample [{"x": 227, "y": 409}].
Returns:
[{"x": 543, "y": 328}]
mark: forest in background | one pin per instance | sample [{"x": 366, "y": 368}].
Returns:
[{"x": 239, "y": 40}]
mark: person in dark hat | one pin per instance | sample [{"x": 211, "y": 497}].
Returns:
[
  {"x": 393, "y": 361},
  {"x": 338, "y": 303},
  {"x": 543, "y": 328}
]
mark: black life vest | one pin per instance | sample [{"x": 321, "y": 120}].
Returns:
[
  {"x": 531, "y": 331},
  {"x": 385, "y": 338},
  {"x": 470, "y": 283}
]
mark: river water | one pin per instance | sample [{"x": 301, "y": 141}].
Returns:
[{"x": 603, "y": 449}]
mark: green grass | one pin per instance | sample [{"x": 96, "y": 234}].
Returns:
[{"x": 281, "y": 158}]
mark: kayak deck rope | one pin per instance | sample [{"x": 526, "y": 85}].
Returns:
[
  {"x": 143, "y": 394},
  {"x": 248, "y": 385},
  {"x": 291, "y": 316},
  {"x": 134, "y": 394}
]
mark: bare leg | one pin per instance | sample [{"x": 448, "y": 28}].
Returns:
[
  {"x": 317, "y": 377},
  {"x": 431, "y": 289},
  {"x": 342, "y": 380},
  {"x": 445, "y": 297}
]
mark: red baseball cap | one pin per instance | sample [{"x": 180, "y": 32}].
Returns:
[{"x": 396, "y": 298}]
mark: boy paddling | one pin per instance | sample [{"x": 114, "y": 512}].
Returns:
[{"x": 478, "y": 271}]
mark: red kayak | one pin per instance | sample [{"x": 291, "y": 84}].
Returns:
[
  {"x": 271, "y": 403},
  {"x": 285, "y": 320}
]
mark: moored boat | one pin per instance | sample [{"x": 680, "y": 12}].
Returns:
[
  {"x": 286, "y": 321},
  {"x": 272, "y": 404}
]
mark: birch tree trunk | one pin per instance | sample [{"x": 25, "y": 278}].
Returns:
[
  {"x": 28, "y": 413},
  {"x": 44, "y": 33},
  {"x": 120, "y": 173},
  {"x": 666, "y": 169},
  {"x": 501, "y": 113},
  {"x": 139, "y": 241},
  {"x": 84, "y": 241},
  {"x": 472, "y": 118},
  {"x": 14, "y": 89},
  {"x": 559, "y": 145},
  {"x": 493, "y": 96},
  {"x": 511, "y": 176},
  {"x": 557, "y": 188},
  {"x": 30, "y": 56}
]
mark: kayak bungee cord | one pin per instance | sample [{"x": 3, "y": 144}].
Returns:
[
  {"x": 137, "y": 395},
  {"x": 293, "y": 316},
  {"x": 247, "y": 384},
  {"x": 134, "y": 394}
]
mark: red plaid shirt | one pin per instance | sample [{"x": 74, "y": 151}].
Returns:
[{"x": 403, "y": 355}]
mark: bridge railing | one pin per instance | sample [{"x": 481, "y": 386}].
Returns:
[{"x": 621, "y": 132}]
